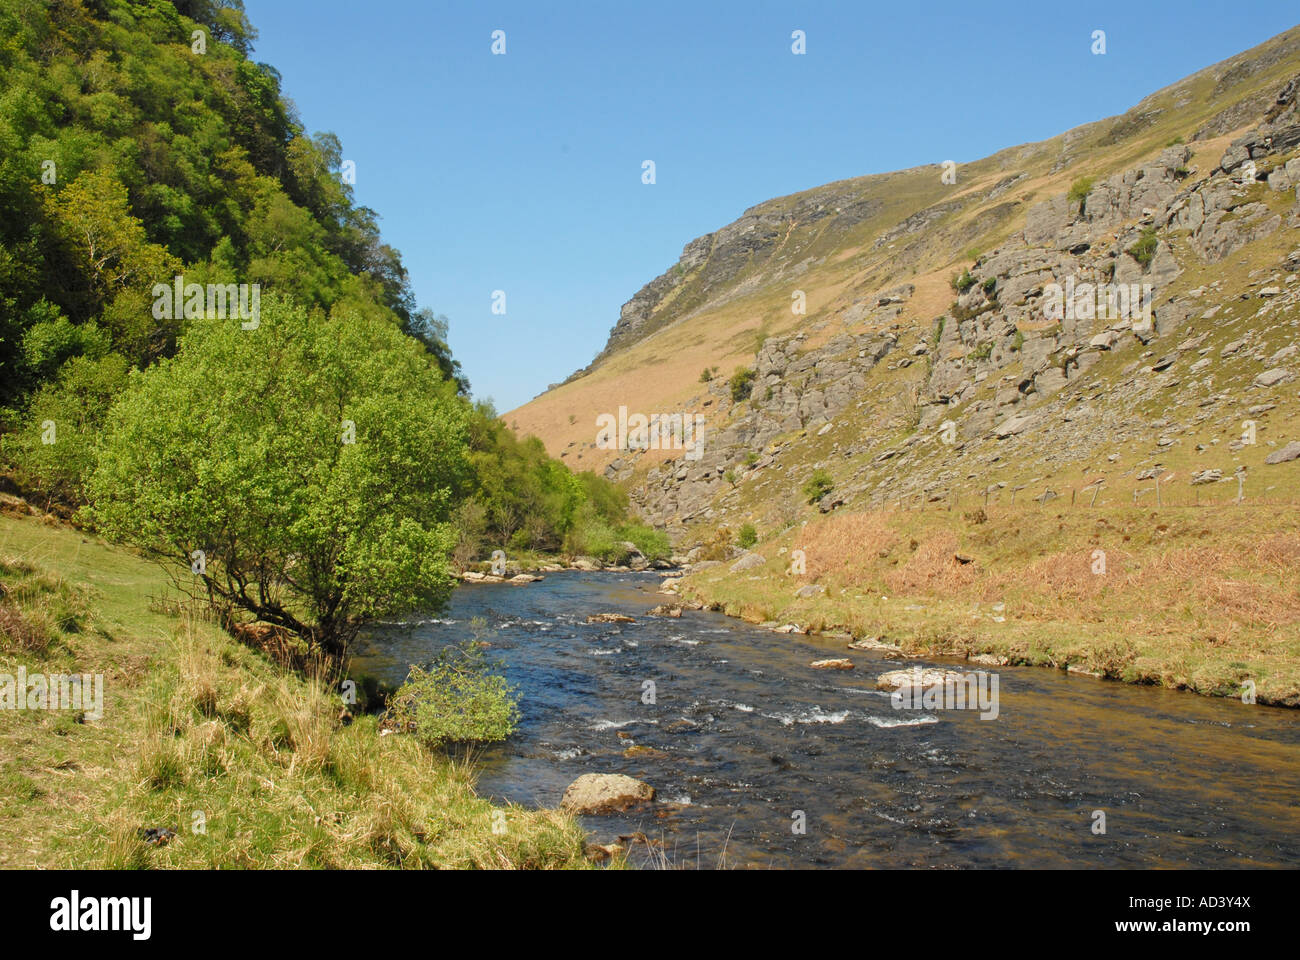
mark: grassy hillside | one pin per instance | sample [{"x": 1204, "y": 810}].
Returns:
[{"x": 199, "y": 729}]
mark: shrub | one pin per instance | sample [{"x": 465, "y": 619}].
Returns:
[
  {"x": 706, "y": 375},
  {"x": 818, "y": 485},
  {"x": 1018, "y": 340},
  {"x": 1079, "y": 191},
  {"x": 747, "y": 536},
  {"x": 1144, "y": 250},
  {"x": 597, "y": 538},
  {"x": 457, "y": 699},
  {"x": 652, "y": 543},
  {"x": 990, "y": 285},
  {"x": 719, "y": 547},
  {"x": 593, "y": 538},
  {"x": 963, "y": 281},
  {"x": 742, "y": 382}
]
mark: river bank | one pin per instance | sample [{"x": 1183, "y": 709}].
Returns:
[
  {"x": 228, "y": 759},
  {"x": 1198, "y": 599}
]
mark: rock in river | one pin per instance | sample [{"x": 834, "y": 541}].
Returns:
[
  {"x": 837, "y": 663},
  {"x": 928, "y": 677},
  {"x": 610, "y": 618},
  {"x": 605, "y": 793}
]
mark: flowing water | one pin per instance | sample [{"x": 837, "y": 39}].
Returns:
[{"x": 744, "y": 735}]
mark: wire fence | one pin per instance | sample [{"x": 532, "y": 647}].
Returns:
[{"x": 1235, "y": 491}]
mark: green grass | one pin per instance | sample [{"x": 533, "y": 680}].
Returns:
[{"x": 200, "y": 730}]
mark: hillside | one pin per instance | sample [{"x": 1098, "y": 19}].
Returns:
[{"x": 930, "y": 364}]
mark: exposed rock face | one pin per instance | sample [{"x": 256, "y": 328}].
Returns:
[
  {"x": 1034, "y": 307},
  {"x": 706, "y": 271},
  {"x": 1052, "y": 338},
  {"x": 603, "y": 793}
]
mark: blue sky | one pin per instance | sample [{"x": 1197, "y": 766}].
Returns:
[{"x": 522, "y": 172}]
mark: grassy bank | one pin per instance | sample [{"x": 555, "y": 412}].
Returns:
[
  {"x": 199, "y": 731},
  {"x": 1195, "y": 598}
]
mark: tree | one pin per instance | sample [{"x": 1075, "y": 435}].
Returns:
[
  {"x": 55, "y": 450},
  {"x": 117, "y": 265},
  {"x": 306, "y": 471}
]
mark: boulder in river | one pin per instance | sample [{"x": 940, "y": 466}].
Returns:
[
  {"x": 601, "y": 852},
  {"x": 835, "y": 663},
  {"x": 599, "y": 793},
  {"x": 610, "y": 618},
  {"x": 524, "y": 578},
  {"x": 874, "y": 643},
  {"x": 666, "y": 610},
  {"x": 929, "y": 677}
]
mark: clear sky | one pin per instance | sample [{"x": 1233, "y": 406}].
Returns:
[{"x": 523, "y": 172}]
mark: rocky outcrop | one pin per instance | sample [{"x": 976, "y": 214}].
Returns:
[
  {"x": 1090, "y": 279},
  {"x": 708, "y": 268}
]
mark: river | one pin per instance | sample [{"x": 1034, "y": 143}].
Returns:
[{"x": 760, "y": 760}]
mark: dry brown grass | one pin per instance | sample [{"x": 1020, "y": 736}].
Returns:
[
  {"x": 19, "y": 633},
  {"x": 1195, "y": 598},
  {"x": 845, "y": 545},
  {"x": 934, "y": 568}
]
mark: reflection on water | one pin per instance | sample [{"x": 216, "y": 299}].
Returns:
[{"x": 743, "y": 734}]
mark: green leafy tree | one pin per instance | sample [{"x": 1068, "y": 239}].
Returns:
[
  {"x": 55, "y": 451},
  {"x": 314, "y": 461}
]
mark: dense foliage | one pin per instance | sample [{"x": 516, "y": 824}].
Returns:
[{"x": 140, "y": 143}]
